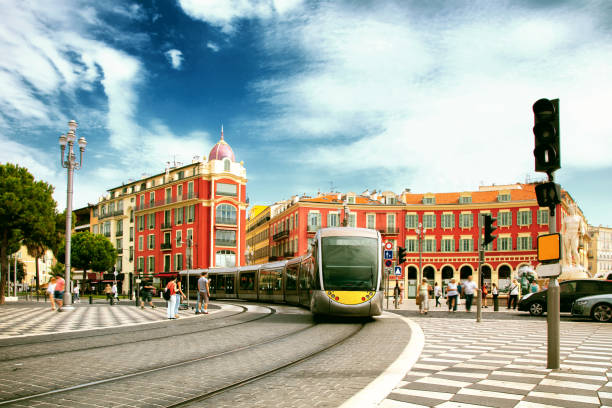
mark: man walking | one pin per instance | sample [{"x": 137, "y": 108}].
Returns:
[
  {"x": 469, "y": 286},
  {"x": 203, "y": 291},
  {"x": 146, "y": 294},
  {"x": 76, "y": 292}
]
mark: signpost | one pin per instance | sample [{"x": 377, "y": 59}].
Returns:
[
  {"x": 388, "y": 254},
  {"x": 398, "y": 271}
]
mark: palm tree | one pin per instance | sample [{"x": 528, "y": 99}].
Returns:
[{"x": 35, "y": 250}]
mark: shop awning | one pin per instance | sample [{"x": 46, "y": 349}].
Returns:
[{"x": 165, "y": 275}]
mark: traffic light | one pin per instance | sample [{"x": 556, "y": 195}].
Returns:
[
  {"x": 547, "y": 151},
  {"x": 401, "y": 255},
  {"x": 488, "y": 229},
  {"x": 548, "y": 194}
]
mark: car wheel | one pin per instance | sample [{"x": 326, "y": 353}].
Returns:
[
  {"x": 536, "y": 309},
  {"x": 602, "y": 312}
]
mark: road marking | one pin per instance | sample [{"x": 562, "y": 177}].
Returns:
[
  {"x": 565, "y": 397},
  {"x": 488, "y": 394}
]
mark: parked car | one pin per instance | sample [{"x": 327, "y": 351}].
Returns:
[
  {"x": 598, "y": 307},
  {"x": 535, "y": 303}
]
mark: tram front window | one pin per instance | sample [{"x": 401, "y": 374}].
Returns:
[{"x": 349, "y": 263}]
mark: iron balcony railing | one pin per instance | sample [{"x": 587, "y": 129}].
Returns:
[
  {"x": 107, "y": 234},
  {"x": 118, "y": 233},
  {"x": 313, "y": 228},
  {"x": 225, "y": 243},
  {"x": 225, "y": 220},
  {"x": 165, "y": 245},
  {"x": 166, "y": 225},
  {"x": 172, "y": 200},
  {"x": 280, "y": 235},
  {"x": 390, "y": 231}
]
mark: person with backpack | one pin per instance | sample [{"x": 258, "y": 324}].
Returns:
[{"x": 170, "y": 296}]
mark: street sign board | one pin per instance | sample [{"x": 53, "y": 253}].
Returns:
[
  {"x": 388, "y": 254},
  {"x": 549, "y": 248},
  {"x": 398, "y": 271},
  {"x": 548, "y": 270},
  {"x": 388, "y": 246},
  {"x": 388, "y": 263}
]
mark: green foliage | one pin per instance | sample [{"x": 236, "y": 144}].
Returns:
[
  {"x": 90, "y": 252},
  {"x": 59, "y": 269},
  {"x": 27, "y": 211}
]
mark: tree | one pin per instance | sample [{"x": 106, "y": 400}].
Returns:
[
  {"x": 26, "y": 208},
  {"x": 90, "y": 252}
]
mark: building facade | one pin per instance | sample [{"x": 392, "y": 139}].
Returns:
[
  {"x": 449, "y": 221},
  {"x": 190, "y": 216},
  {"x": 600, "y": 251},
  {"x": 257, "y": 239}
]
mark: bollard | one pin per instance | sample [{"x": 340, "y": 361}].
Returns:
[
  {"x": 90, "y": 299},
  {"x": 496, "y": 304}
]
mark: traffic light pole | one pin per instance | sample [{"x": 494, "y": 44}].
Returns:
[
  {"x": 480, "y": 261},
  {"x": 553, "y": 308}
]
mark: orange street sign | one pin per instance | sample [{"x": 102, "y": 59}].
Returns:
[{"x": 549, "y": 248}]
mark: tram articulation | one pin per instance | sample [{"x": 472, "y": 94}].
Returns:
[{"x": 342, "y": 276}]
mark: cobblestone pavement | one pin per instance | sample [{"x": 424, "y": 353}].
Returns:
[
  {"x": 31, "y": 318},
  {"x": 502, "y": 363}
]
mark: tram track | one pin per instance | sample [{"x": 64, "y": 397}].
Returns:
[
  {"x": 127, "y": 332},
  {"x": 157, "y": 371}
]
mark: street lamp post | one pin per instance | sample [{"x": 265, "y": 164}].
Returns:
[
  {"x": 420, "y": 232},
  {"x": 71, "y": 164}
]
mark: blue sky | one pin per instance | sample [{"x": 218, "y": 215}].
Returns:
[{"x": 433, "y": 96}]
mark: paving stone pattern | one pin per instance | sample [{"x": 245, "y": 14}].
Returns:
[{"x": 503, "y": 364}]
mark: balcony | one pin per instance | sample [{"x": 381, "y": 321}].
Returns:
[
  {"x": 117, "y": 213},
  {"x": 172, "y": 200},
  {"x": 390, "y": 231},
  {"x": 107, "y": 234},
  {"x": 166, "y": 225},
  {"x": 289, "y": 254},
  {"x": 164, "y": 246},
  {"x": 313, "y": 228},
  {"x": 225, "y": 220},
  {"x": 281, "y": 235},
  {"x": 131, "y": 239},
  {"x": 119, "y": 233},
  {"x": 225, "y": 243}
]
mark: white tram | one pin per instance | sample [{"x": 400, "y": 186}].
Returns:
[{"x": 342, "y": 276}]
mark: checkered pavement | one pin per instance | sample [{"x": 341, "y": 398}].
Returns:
[
  {"x": 499, "y": 363},
  {"x": 33, "y": 319}
]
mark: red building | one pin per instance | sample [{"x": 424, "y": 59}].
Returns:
[
  {"x": 449, "y": 222},
  {"x": 191, "y": 216}
]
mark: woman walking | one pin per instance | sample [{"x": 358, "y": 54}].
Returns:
[
  {"x": 179, "y": 297},
  {"x": 437, "y": 294},
  {"x": 424, "y": 297},
  {"x": 171, "y": 288},
  {"x": 451, "y": 295},
  {"x": 50, "y": 291},
  {"x": 495, "y": 294}
]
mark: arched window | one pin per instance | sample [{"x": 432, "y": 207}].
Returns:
[
  {"x": 226, "y": 214},
  {"x": 429, "y": 272},
  {"x": 225, "y": 258},
  {"x": 465, "y": 271},
  {"x": 226, "y": 165}
]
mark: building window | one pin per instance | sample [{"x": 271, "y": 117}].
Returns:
[
  {"x": 332, "y": 219},
  {"x": 178, "y": 216},
  {"x": 119, "y": 264},
  {"x": 119, "y": 245},
  {"x": 131, "y": 253},
  {"x": 151, "y": 264},
  {"x": 141, "y": 201},
  {"x": 140, "y": 264},
  {"x": 167, "y": 265},
  {"x": 179, "y": 191},
  {"x": 131, "y": 216},
  {"x": 226, "y": 189},
  {"x": 119, "y": 227},
  {"x": 167, "y": 238},
  {"x": 504, "y": 218},
  {"x": 390, "y": 200},
  {"x": 352, "y": 221},
  {"x": 314, "y": 220},
  {"x": 152, "y": 198},
  {"x": 167, "y": 218},
  {"x": 178, "y": 262},
  {"x": 448, "y": 221},
  {"x": 107, "y": 229},
  {"x": 390, "y": 222},
  {"x": 168, "y": 195},
  {"x": 412, "y": 245},
  {"x": 503, "y": 198},
  {"x": 429, "y": 245},
  {"x": 466, "y": 245},
  {"x": 179, "y": 238},
  {"x": 465, "y": 200},
  {"x": 143, "y": 186},
  {"x": 225, "y": 258},
  {"x": 523, "y": 243},
  {"x": 504, "y": 243},
  {"x": 296, "y": 220},
  {"x": 226, "y": 238},
  {"x": 447, "y": 245},
  {"x": 412, "y": 221},
  {"x": 429, "y": 221},
  {"x": 190, "y": 213},
  {"x": 151, "y": 241},
  {"x": 466, "y": 220},
  {"x": 140, "y": 222},
  {"x": 523, "y": 218},
  {"x": 151, "y": 219},
  {"x": 226, "y": 165},
  {"x": 429, "y": 200},
  {"x": 140, "y": 243},
  {"x": 351, "y": 199},
  {"x": 95, "y": 211},
  {"x": 190, "y": 193},
  {"x": 95, "y": 229},
  {"x": 226, "y": 214},
  {"x": 371, "y": 221},
  {"x": 543, "y": 216}
]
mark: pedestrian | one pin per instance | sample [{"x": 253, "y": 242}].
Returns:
[
  {"x": 109, "y": 293},
  {"x": 437, "y": 294},
  {"x": 401, "y": 293},
  {"x": 459, "y": 292},
  {"x": 514, "y": 294},
  {"x": 146, "y": 294},
  {"x": 171, "y": 288},
  {"x": 179, "y": 296},
  {"x": 495, "y": 294},
  {"x": 534, "y": 287},
  {"x": 469, "y": 286},
  {"x": 396, "y": 292},
  {"x": 114, "y": 292},
  {"x": 424, "y": 296},
  {"x": 485, "y": 292},
  {"x": 75, "y": 293},
  {"x": 58, "y": 292},
  {"x": 203, "y": 292},
  {"x": 50, "y": 292},
  {"x": 452, "y": 294}
]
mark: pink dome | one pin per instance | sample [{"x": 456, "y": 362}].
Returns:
[{"x": 221, "y": 150}]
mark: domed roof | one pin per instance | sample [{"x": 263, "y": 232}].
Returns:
[{"x": 221, "y": 150}]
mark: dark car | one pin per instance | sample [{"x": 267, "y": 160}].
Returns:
[{"x": 535, "y": 303}]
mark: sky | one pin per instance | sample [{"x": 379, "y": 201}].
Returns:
[{"x": 433, "y": 96}]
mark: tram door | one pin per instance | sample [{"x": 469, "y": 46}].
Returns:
[
  {"x": 291, "y": 283},
  {"x": 304, "y": 281}
]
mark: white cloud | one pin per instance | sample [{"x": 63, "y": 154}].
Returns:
[
  {"x": 214, "y": 47},
  {"x": 175, "y": 58}
]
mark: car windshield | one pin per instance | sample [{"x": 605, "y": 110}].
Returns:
[{"x": 349, "y": 263}]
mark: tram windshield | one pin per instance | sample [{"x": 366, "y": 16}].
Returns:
[{"x": 349, "y": 263}]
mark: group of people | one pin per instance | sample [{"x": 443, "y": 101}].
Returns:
[{"x": 468, "y": 290}]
